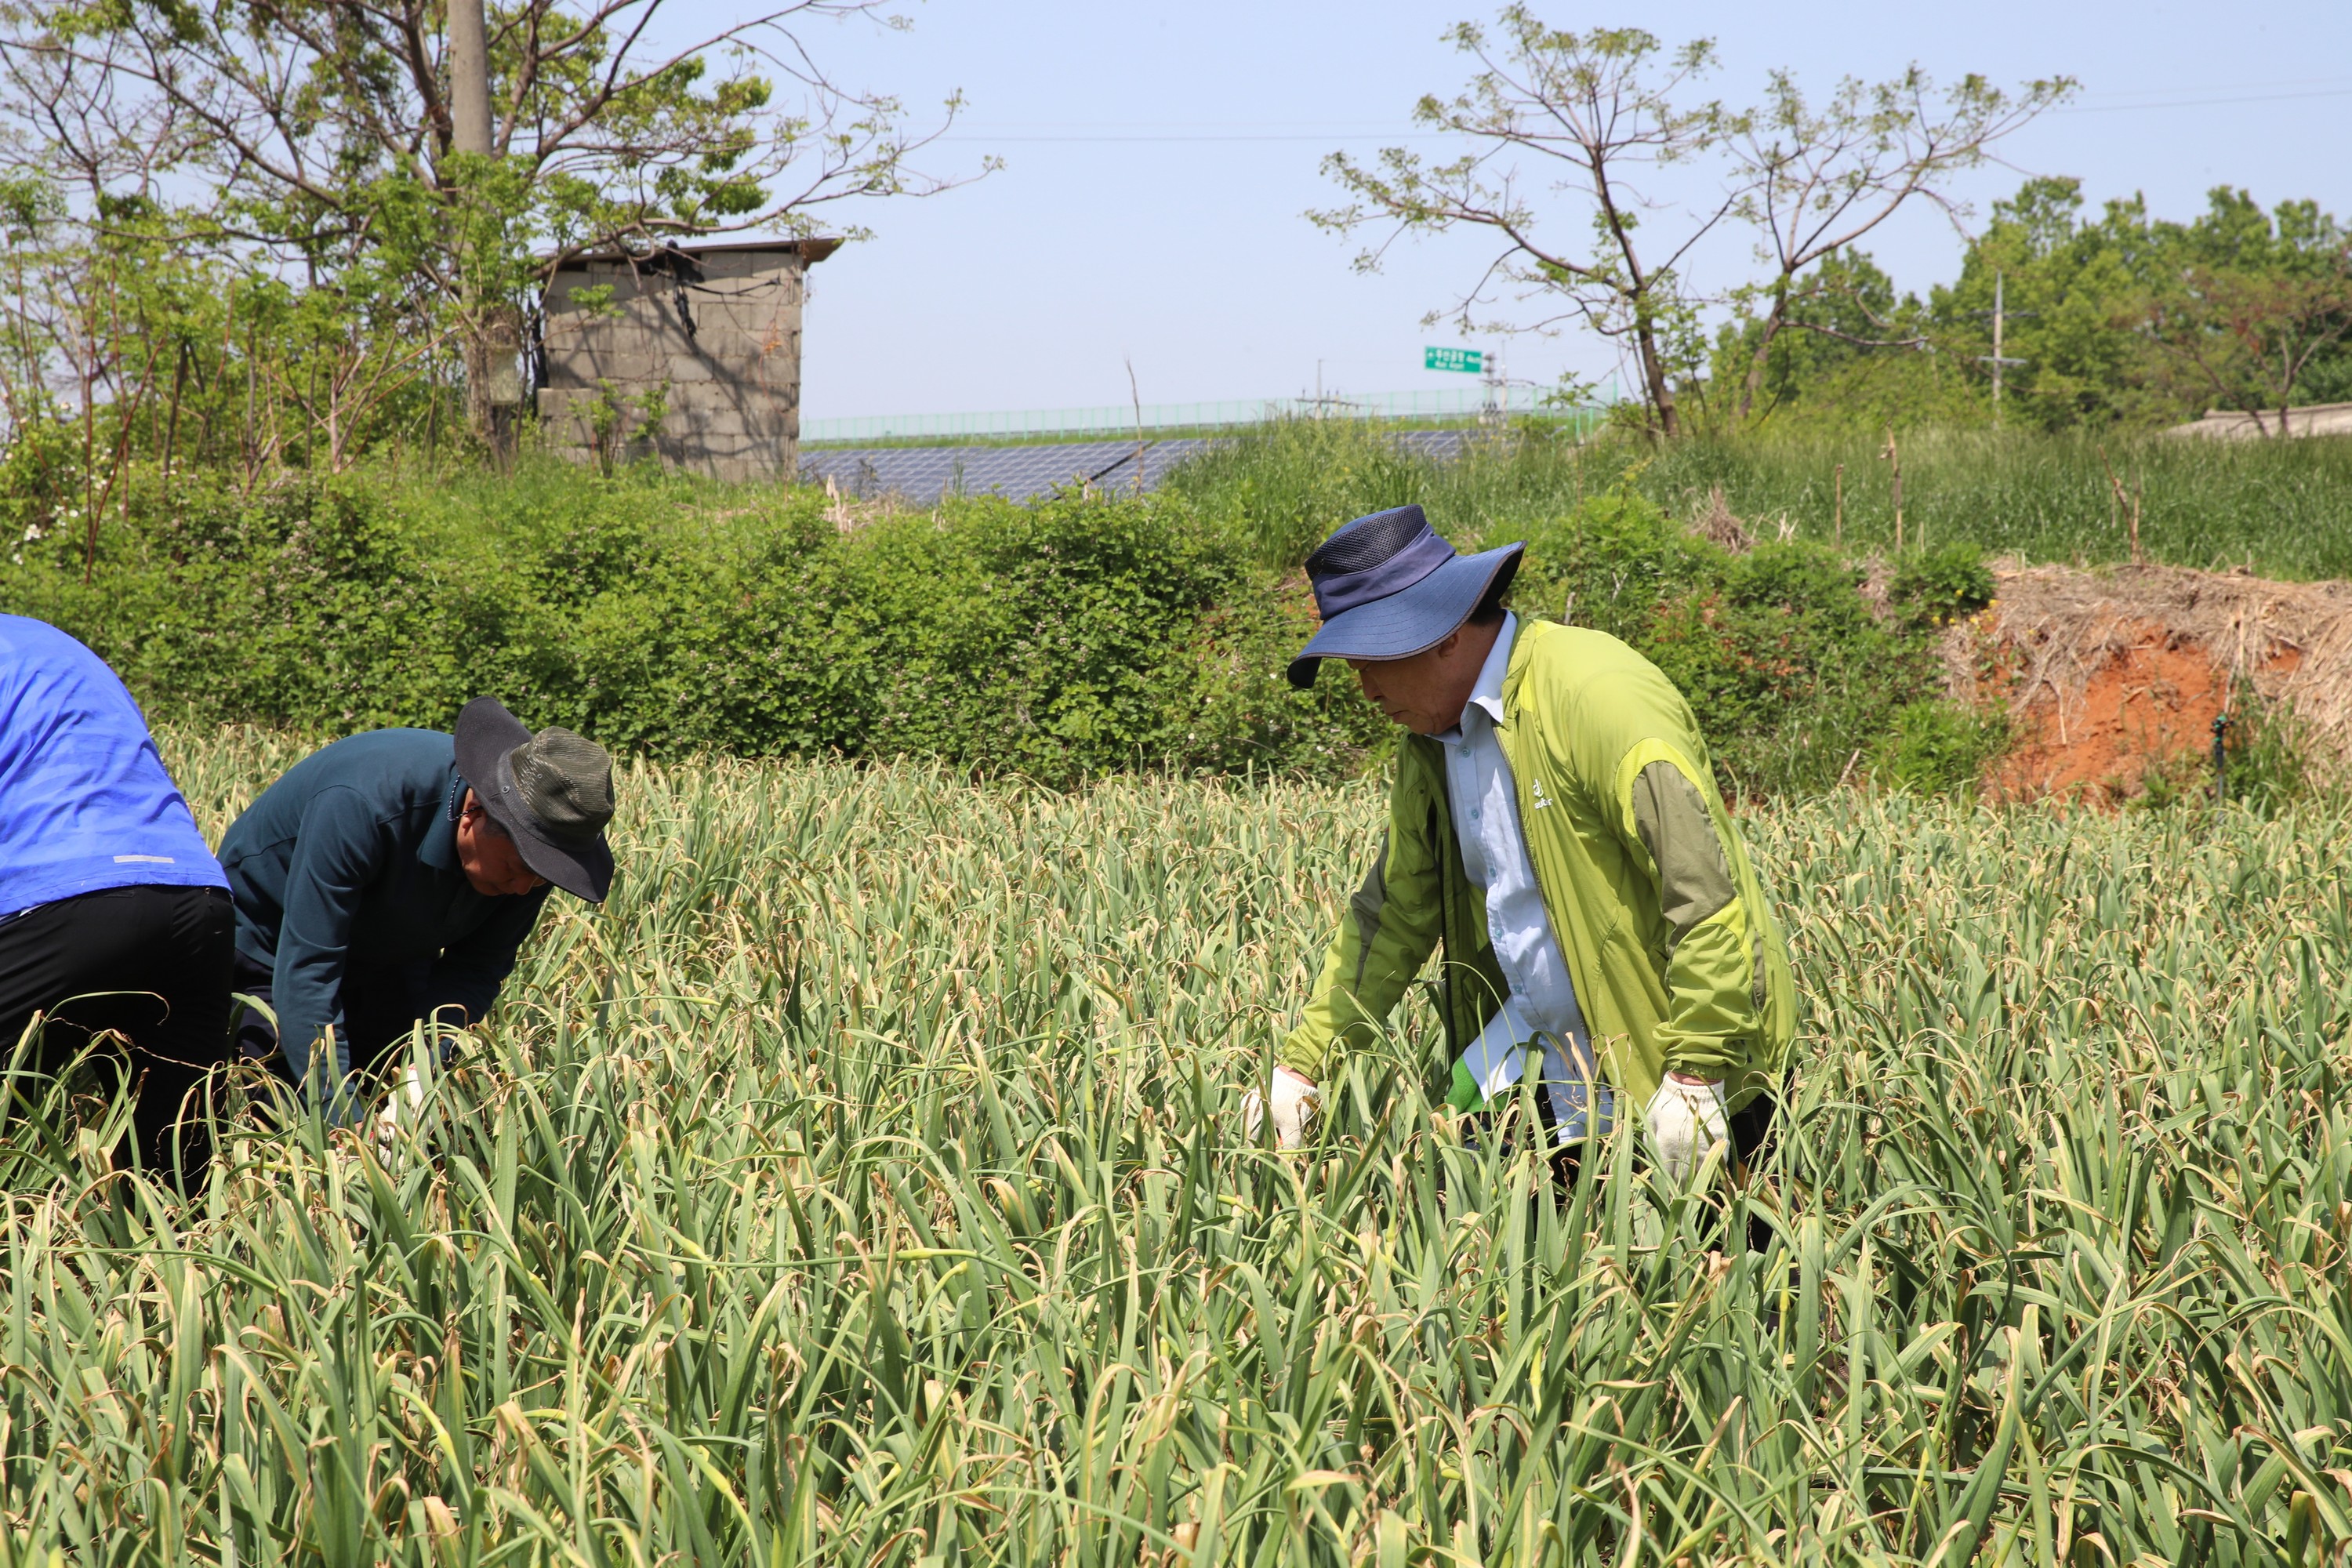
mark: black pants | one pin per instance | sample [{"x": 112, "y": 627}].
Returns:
[
  {"x": 169, "y": 948},
  {"x": 380, "y": 1006},
  {"x": 1752, "y": 1127}
]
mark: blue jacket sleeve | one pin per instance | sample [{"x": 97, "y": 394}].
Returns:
[
  {"x": 468, "y": 973},
  {"x": 337, "y": 851}
]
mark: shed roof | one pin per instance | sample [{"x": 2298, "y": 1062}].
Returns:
[{"x": 810, "y": 250}]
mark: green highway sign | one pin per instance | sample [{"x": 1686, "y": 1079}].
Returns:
[{"x": 1469, "y": 360}]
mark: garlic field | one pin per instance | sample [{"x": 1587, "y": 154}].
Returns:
[{"x": 864, "y": 1184}]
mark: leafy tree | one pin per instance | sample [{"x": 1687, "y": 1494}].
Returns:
[
  {"x": 319, "y": 141},
  {"x": 2120, "y": 319},
  {"x": 1852, "y": 350},
  {"x": 2255, "y": 304},
  {"x": 2127, "y": 318},
  {"x": 2069, "y": 290}
]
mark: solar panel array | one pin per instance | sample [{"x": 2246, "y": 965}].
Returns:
[{"x": 922, "y": 475}]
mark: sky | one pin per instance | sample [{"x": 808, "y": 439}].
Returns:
[{"x": 1158, "y": 160}]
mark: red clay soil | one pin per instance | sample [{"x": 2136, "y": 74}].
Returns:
[
  {"x": 2151, "y": 703},
  {"x": 2112, "y": 674}
]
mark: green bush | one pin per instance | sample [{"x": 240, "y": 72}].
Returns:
[
  {"x": 1938, "y": 748},
  {"x": 1057, "y": 642},
  {"x": 1943, "y": 585},
  {"x": 1776, "y": 648}
]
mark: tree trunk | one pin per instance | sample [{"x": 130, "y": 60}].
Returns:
[
  {"x": 1756, "y": 366},
  {"x": 1656, "y": 382},
  {"x": 493, "y": 383}
]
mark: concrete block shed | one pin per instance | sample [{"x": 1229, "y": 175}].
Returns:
[{"x": 710, "y": 332}]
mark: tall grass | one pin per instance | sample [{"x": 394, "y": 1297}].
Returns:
[
  {"x": 2284, "y": 508},
  {"x": 862, "y": 1186}
]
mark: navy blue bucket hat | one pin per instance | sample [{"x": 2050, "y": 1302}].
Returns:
[{"x": 1389, "y": 588}]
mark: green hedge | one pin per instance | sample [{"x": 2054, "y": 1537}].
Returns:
[
  {"x": 1057, "y": 642},
  {"x": 1786, "y": 666}
]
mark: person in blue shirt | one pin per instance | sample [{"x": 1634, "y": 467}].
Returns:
[
  {"x": 391, "y": 877},
  {"x": 114, "y": 917}
]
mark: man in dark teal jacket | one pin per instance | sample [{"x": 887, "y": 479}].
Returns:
[{"x": 393, "y": 876}]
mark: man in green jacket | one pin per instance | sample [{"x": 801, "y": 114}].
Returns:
[{"x": 1555, "y": 828}]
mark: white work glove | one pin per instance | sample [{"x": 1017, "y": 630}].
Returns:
[
  {"x": 403, "y": 1104},
  {"x": 1686, "y": 1123},
  {"x": 1296, "y": 1101}
]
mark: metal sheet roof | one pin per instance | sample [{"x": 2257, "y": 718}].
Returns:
[
  {"x": 2231, "y": 424},
  {"x": 811, "y": 251}
]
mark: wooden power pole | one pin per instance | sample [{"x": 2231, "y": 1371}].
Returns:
[
  {"x": 1997, "y": 316},
  {"x": 2000, "y": 319}
]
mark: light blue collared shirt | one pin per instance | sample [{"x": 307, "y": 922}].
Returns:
[{"x": 1542, "y": 1005}]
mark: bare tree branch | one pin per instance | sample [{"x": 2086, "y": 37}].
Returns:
[
  {"x": 1814, "y": 182},
  {"x": 1596, "y": 108}
]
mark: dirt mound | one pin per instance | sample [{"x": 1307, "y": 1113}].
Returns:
[
  {"x": 2149, "y": 703},
  {"x": 2109, "y": 673}
]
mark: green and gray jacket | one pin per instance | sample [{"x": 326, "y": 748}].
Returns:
[{"x": 1677, "y": 961}]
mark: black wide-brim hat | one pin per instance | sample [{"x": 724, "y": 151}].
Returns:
[
  {"x": 542, "y": 812},
  {"x": 1389, "y": 588}
]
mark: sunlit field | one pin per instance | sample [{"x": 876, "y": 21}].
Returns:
[{"x": 865, "y": 1184}]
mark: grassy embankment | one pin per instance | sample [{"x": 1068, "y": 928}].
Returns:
[
  {"x": 862, "y": 1185},
  {"x": 2284, "y": 508}
]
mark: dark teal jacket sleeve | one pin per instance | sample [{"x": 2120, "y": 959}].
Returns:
[
  {"x": 337, "y": 853},
  {"x": 468, "y": 973}
]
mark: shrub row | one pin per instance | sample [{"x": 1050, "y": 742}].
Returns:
[{"x": 1059, "y": 641}]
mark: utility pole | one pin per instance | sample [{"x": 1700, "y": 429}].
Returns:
[
  {"x": 2000, "y": 316},
  {"x": 469, "y": 78},
  {"x": 1997, "y": 314},
  {"x": 493, "y": 336},
  {"x": 1324, "y": 402}
]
